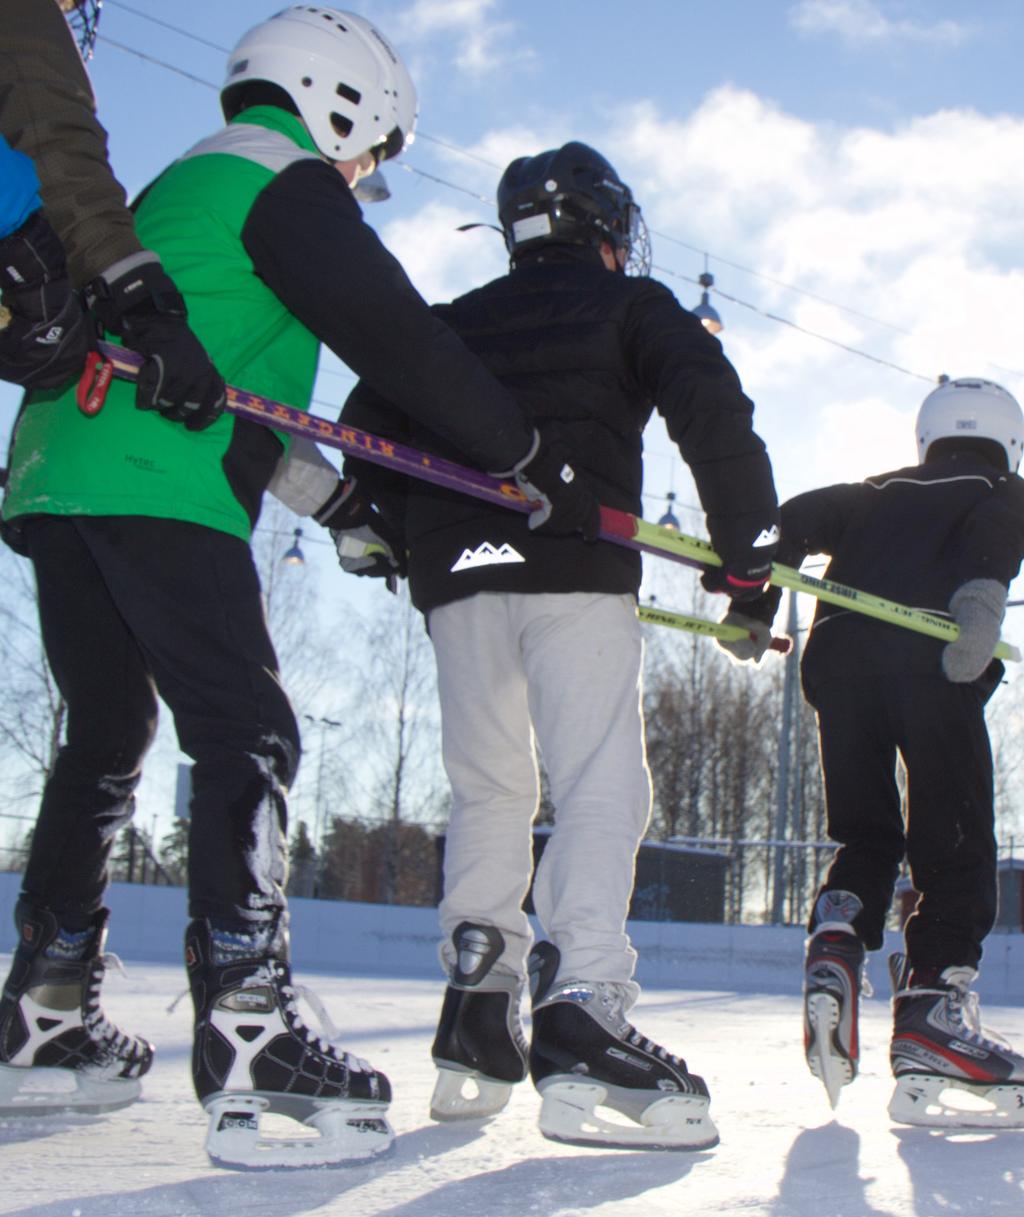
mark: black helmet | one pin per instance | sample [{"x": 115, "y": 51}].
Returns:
[{"x": 571, "y": 195}]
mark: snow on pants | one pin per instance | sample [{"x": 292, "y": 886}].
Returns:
[
  {"x": 130, "y": 607},
  {"x": 564, "y": 669},
  {"x": 949, "y": 840}
]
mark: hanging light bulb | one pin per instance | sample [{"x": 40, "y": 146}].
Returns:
[
  {"x": 294, "y": 556},
  {"x": 707, "y": 313},
  {"x": 669, "y": 519}
]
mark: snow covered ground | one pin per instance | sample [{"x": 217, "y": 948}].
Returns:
[{"x": 782, "y": 1153}]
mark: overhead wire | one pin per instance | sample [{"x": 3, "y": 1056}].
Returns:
[{"x": 481, "y": 198}]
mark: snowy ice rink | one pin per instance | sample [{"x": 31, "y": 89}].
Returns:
[{"x": 781, "y": 1155}]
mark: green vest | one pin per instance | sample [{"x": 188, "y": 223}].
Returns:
[{"x": 125, "y": 461}]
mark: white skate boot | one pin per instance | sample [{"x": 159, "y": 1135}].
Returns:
[
  {"x": 479, "y": 1049},
  {"x": 586, "y": 1055},
  {"x": 253, "y": 1055},
  {"x": 58, "y": 1050},
  {"x": 949, "y": 1072}
]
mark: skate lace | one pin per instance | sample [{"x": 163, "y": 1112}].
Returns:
[
  {"x": 100, "y": 1029},
  {"x": 612, "y": 1000},
  {"x": 325, "y": 1040},
  {"x": 964, "y": 1014}
]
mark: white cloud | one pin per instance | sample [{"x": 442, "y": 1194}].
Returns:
[
  {"x": 481, "y": 44},
  {"x": 863, "y": 21},
  {"x": 441, "y": 261},
  {"x": 915, "y": 226}
]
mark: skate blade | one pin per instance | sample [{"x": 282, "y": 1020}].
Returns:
[
  {"x": 930, "y": 1101},
  {"x": 467, "y": 1096},
  {"x": 675, "y": 1122},
  {"x": 335, "y": 1132},
  {"x": 833, "y": 1070},
  {"x": 38, "y": 1091}
]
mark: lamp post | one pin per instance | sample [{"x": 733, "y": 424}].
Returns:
[
  {"x": 319, "y": 808},
  {"x": 783, "y": 805}
]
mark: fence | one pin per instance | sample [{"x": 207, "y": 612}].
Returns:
[{"x": 752, "y": 867}]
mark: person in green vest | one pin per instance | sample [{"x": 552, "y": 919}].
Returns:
[{"x": 138, "y": 529}]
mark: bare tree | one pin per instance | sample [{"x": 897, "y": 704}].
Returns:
[
  {"x": 317, "y": 673},
  {"x": 400, "y": 773},
  {"x": 31, "y": 709}
]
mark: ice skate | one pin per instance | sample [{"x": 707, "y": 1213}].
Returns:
[
  {"x": 253, "y": 1056},
  {"x": 833, "y": 973},
  {"x": 949, "y": 1072},
  {"x": 479, "y": 1049},
  {"x": 58, "y": 1050},
  {"x": 586, "y": 1056}
]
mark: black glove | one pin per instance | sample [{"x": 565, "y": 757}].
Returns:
[
  {"x": 547, "y": 476},
  {"x": 366, "y": 543},
  {"x": 136, "y": 300},
  {"x": 47, "y": 334},
  {"x": 745, "y": 575},
  {"x": 745, "y": 585}
]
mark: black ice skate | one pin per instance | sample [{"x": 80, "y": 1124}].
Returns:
[
  {"x": 252, "y": 1054},
  {"x": 479, "y": 1049},
  {"x": 833, "y": 977},
  {"x": 586, "y": 1055},
  {"x": 58, "y": 1050},
  {"x": 939, "y": 1054}
]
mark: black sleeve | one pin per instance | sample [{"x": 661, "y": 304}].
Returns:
[
  {"x": 308, "y": 242},
  {"x": 812, "y": 523},
  {"x": 992, "y": 540},
  {"x": 696, "y": 390}
]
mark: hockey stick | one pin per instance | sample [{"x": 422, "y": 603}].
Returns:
[
  {"x": 620, "y": 527},
  {"x": 709, "y": 629},
  {"x": 656, "y": 539}
]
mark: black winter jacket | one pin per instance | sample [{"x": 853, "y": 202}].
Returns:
[
  {"x": 589, "y": 354},
  {"x": 913, "y": 536}
]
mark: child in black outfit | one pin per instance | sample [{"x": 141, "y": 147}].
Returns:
[{"x": 946, "y": 535}]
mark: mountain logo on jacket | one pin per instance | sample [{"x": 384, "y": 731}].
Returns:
[
  {"x": 767, "y": 536},
  {"x": 487, "y": 554}
]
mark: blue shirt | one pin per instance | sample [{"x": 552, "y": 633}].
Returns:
[{"x": 19, "y": 189}]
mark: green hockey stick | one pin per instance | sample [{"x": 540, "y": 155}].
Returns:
[
  {"x": 700, "y": 625},
  {"x": 652, "y": 538}
]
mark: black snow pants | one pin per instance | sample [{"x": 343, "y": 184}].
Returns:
[
  {"x": 948, "y": 839},
  {"x": 130, "y": 607}
]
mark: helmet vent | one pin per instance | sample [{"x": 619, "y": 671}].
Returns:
[
  {"x": 341, "y": 125},
  {"x": 348, "y": 93}
]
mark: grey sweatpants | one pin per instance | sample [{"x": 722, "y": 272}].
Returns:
[{"x": 562, "y": 672}]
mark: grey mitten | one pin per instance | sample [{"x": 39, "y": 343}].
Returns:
[
  {"x": 978, "y": 608},
  {"x": 751, "y": 647}
]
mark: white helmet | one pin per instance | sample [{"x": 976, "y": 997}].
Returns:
[
  {"x": 971, "y": 408},
  {"x": 350, "y": 87}
]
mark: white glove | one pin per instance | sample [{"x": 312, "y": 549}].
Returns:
[
  {"x": 978, "y": 608},
  {"x": 750, "y": 649}
]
